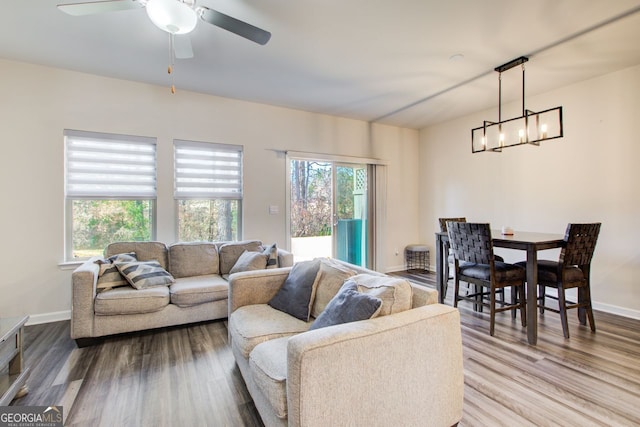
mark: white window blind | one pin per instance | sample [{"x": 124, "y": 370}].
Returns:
[
  {"x": 102, "y": 165},
  {"x": 207, "y": 171}
]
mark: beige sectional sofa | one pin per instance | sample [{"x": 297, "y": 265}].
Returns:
[
  {"x": 199, "y": 293},
  {"x": 403, "y": 368}
]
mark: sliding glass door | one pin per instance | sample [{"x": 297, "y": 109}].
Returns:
[
  {"x": 329, "y": 210},
  {"x": 350, "y": 226}
]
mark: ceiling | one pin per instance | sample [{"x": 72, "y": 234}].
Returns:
[{"x": 375, "y": 60}]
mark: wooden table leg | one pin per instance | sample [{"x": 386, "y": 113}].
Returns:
[
  {"x": 440, "y": 284},
  {"x": 532, "y": 295}
]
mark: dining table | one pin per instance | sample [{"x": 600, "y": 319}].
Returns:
[{"x": 531, "y": 243}]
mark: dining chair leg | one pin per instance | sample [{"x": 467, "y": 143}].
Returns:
[
  {"x": 523, "y": 304},
  {"x": 582, "y": 312},
  {"x": 563, "y": 312},
  {"x": 592, "y": 322},
  {"x": 478, "y": 290},
  {"x": 514, "y": 300},
  {"x": 445, "y": 288},
  {"x": 589, "y": 308},
  {"x": 456, "y": 291},
  {"x": 541, "y": 297},
  {"x": 492, "y": 311}
]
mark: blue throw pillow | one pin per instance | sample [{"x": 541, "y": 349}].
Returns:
[
  {"x": 348, "y": 305},
  {"x": 295, "y": 295}
]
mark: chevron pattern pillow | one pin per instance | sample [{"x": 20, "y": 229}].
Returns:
[{"x": 145, "y": 274}]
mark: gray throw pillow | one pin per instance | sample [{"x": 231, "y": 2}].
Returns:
[
  {"x": 250, "y": 261},
  {"x": 348, "y": 305},
  {"x": 295, "y": 297},
  {"x": 272, "y": 252}
]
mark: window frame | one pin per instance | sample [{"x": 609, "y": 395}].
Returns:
[
  {"x": 69, "y": 199},
  {"x": 177, "y": 197}
]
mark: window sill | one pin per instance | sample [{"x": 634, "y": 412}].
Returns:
[{"x": 70, "y": 265}]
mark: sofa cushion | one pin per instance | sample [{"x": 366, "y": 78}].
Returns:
[
  {"x": 128, "y": 300},
  {"x": 396, "y": 294},
  {"x": 272, "y": 252},
  {"x": 109, "y": 276},
  {"x": 249, "y": 261},
  {"x": 145, "y": 251},
  {"x": 295, "y": 297},
  {"x": 230, "y": 252},
  {"x": 145, "y": 274},
  {"x": 251, "y": 325},
  {"x": 348, "y": 305},
  {"x": 332, "y": 276},
  {"x": 268, "y": 362},
  {"x": 193, "y": 259},
  {"x": 190, "y": 291}
]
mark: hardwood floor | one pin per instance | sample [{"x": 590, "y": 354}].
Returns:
[
  {"x": 180, "y": 376},
  {"x": 187, "y": 375}
]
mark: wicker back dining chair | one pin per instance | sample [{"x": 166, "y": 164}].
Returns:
[
  {"x": 447, "y": 250},
  {"x": 572, "y": 270},
  {"x": 475, "y": 263}
]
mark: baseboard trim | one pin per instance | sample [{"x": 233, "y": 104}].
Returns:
[
  {"x": 395, "y": 268},
  {"x": 37, "y": 319},
  {"x": 614, "y": 309}
]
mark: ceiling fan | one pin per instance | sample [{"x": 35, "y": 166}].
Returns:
[{"x": 176, "y": 17}]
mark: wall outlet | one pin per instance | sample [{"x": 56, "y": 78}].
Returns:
[{"x": 274, "y": 210}]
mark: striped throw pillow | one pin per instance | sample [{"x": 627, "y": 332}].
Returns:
[
  {"x": 145, "y": 274},
  {"x": 109, "y": 276}
]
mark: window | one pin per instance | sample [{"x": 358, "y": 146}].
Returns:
[
  {"x": 208, "y": 190},
  {"x": 110, "y": 191}
]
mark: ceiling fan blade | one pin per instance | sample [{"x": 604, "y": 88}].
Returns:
[
  {"x": 234, "y": 25},
  {"x": 95, "y": 7},
  {"x": 182, "y": 48}
]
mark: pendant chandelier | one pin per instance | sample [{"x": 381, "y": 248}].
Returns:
[{"x": 530, "y": 128}]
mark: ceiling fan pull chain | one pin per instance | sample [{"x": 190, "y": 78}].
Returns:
[{"x": 171, "y": 62}]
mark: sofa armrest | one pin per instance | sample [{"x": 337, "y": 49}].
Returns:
[
  {"x": 423, "y": 296},
  {"x": 83, "y": 282},
  {"x": 255, "y": 287},
  {"x": 285, "y": 258},
  {"x": 409, "y": 363}
]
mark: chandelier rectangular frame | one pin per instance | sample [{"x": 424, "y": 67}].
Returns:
[{"x": 530, "y": 128}]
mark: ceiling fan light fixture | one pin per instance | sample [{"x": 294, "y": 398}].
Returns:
[{"x": 172, "y": 16}]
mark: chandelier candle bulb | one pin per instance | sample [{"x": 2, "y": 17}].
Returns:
[
  {"x": 543, "y": 131},
  {"x": 521, "y": 135}
]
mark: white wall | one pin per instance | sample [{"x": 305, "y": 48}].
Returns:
[
  {"x": 591, "y": 174},
  {"x": 38, "y": 102}
]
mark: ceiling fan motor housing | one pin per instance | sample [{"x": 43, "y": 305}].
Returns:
[{"x": 172, "y": 16}]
